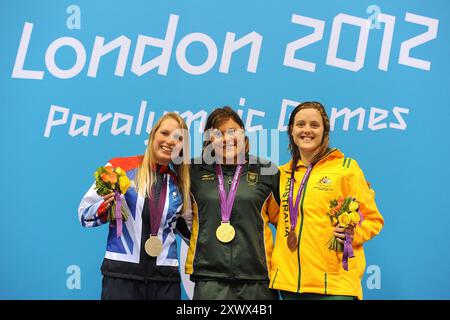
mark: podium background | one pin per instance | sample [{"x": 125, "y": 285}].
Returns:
[{"x": 44, "y": 176}]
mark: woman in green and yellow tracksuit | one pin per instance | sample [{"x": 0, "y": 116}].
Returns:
[
  {"x": 234, "y": 264},
  {"x": 303, "y": 266}
]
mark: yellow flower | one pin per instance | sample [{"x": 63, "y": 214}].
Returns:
[
  {"x": 124, "y": 183},
  {"x": 353, "y": 206},
  {"x": 354, "y": 217},
  {"x": 344, "y": 219},
  {"x": 120, "y": 172}
]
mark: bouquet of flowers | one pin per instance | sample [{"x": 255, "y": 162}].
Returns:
[
  {"x": 108, "y": 180},
  {"x": 345, "y": 213}
]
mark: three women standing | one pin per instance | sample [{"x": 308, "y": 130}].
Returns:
[{"x": 234, "y": 197}]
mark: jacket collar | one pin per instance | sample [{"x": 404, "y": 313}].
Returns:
[
  {"x": 249, "y": 158},
  {"x": 166, "y": 169},
  {"x": 333, "y": 153}
]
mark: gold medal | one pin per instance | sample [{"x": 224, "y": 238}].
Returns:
[
  {"x": 292, "y": 240},
  {"x": 225, "y": 232},
  {"x": 153, "y": 246}
]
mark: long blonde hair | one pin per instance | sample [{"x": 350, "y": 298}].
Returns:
[{"x": 146, "y": 176}]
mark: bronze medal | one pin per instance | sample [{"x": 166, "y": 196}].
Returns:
[
  {"x": 225, "y": 232},
  {"x": 153, "y": 246},
  {"x": 292, "y": 240}
]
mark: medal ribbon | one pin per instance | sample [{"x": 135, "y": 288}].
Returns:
[
  {"x": 348, "y": 246},
  {"x": 118, "y": 200},
  {"x": 226, "y": 203},
  {"x": 293, "y": 210},
  {"x": 156, "y": 212},
  {"x": 348, "y": 249}
]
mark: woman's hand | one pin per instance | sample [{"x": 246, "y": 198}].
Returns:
[
  {"x": 107, "y": 199},
  {"x": 339, "y": 232}
]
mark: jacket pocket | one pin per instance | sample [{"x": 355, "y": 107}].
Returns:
[{"x": 335, "y": 262}]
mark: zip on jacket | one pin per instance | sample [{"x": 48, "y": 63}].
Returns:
[{"x": 312, "y": 267}]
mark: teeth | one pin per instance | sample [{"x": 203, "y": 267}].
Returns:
[{"x": 166, "y": 149}]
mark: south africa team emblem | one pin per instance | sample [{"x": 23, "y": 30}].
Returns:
[{"x": 252, "y": 178}]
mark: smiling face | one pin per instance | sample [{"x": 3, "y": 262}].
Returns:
[
  {"x": 229, "y": 142},
  {"x": 167, "y": 137},
  {"x": 307, "y": 131}
]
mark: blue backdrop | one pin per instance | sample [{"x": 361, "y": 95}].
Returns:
[{"x": 67, "y": 106}]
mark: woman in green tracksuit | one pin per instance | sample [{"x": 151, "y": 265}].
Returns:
[{"x": 234, "y": 198}]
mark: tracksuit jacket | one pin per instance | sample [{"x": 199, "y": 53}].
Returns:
[
  {"x": 312, "y": 267},
  {"x": 125, "y": 256},
  {"x": 247, "y": 256}
]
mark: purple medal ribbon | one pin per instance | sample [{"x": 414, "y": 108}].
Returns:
[
  {"x": 293, "y": 210},
  {"x": 156, "y": 212},
  {"x": 118, "y": 199},
  {"x": 226, "y": 203},
  {"x": 348, "y": 247}
]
